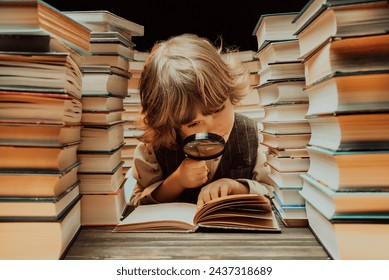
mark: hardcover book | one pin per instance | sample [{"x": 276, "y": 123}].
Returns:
[
  {"x": 101, "y": 182},
  {"x": 38, "y": 17},
  {"x": 103, "y": 21},
  {"x": 37, "y": 134},
  {"x": 101, "y": 138},
  {"x": 104, "y": 80},
  {"x": 103, "y": 208},
  {"x": 280, "y": 71},
  {"x": 350, "y": 132},
  {"x": 39, "y": 159},
  {"x": 51, "y": 245},
  {"x": 27, "y": 107},
  {"x": 370, "y": 17},
  {"x": 279, "y": 51},
  {"x": 19, "y": 209},
  {"x": 37, "y": 184},
  {"x": 51, "y": 72},
  {"x": 282, "y": 91},
  {"x": 234, "y": 212},
  {"x": 274, "y": 27},
  {"x": 347, "y": 55},
  {"x": 292, "y": 215},
  {"x": 349, "y": 92},
  {"x": 352, "y": 170},
  {"x": 341, "y": 204},
  {"x": 351, "y": 239}
]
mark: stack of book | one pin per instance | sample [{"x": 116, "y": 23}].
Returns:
[
  {"x": 105, "y": 82},
  {"x": 249, "y": 105},
  {"x": 40, "y": 123},
  {"x": 132, "y": 109},
  {"x": 285, "y": 130},
  {"x": 344, "y": 45}
]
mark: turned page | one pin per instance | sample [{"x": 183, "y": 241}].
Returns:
[{"x": 155, "y": 213}]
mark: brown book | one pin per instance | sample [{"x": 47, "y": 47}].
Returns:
[
  {"x": 286, "y": 127},
  {"x": 51, "y": 245},
  {"x": 349, "y": 170},
  {"x": 313, "y": 8},
  {"x": 279, "y": 51},
  {"x": 286, "y": 112},
  {"x": 35, "y": 134},
  {"x": 101, "y": 138},
  {"x": 34, "y": 16},
  {"x": 37, "y": 184},
  {"x": 292, "y": 215},
  {"x": 104, "y": 21},
  {"x": 274, "y": 27},
  {"x": 347, "y": 55},
  {"x": 286, "y": 141},
  {"x": 112, "y": 48},
  {"x": 37, "y": 208},
  {"x": 104, "y": 80},
  {"x": 102, "y": 103},
  {"x": 287, "y": 164},
  {"x": 282, "y": 91},
  {"x": 353, "y": 20},
  {"x": 367, "y": 237},
  {"x": 141, "y": 55},
  {"x": 286, "y": 152},
  {"x": 43, "y": 108},
  {"x": 280, "y": 71},
  {"x": 349, "y": 93},
  {"x": 40, "y": 159},
  {"x": 109, "y": 37},
  {"x": 235, "y": 212},
  {"x": 103, "y": 208},
  {"x": 337, "y": 204},
  {"x": 103, "y": 161},
  {"x": 106, "y": 60},
  {"x": 101, "y": 118},
  {"x": 101, "y": 182},
  {"x": 350, "y": 131},
  {"x": 51, "y": 72},
  {"x": 286, "y": 180},
  {"x": 133, "y": 83}
]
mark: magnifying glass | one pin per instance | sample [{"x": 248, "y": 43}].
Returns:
[{"x": 203, "y": 146}]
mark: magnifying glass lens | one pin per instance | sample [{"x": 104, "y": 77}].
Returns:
[{"x": 203, "y": 146}]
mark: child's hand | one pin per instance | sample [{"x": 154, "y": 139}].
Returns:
[
  {"x": 192, "y": 173},
  {"x": 220, "y": 188}
]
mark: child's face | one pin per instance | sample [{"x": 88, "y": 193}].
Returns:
[{"x": 220, "y": 122}]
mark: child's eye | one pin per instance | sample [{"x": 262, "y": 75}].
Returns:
[
  {"x": 219, "y": 110},
  {"x": 193, "y": 124}
]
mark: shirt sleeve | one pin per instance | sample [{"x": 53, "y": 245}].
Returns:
[{"x": 147, "y": 173}]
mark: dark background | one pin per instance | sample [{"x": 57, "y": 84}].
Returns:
[{"x": 233, "y": 22}]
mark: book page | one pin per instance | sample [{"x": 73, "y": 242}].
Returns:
[{"x": 183, "y": 212}]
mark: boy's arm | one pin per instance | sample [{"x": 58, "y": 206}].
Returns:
[
  {"x": 147, "y": 173},
  {"x": 151, "y": 187}
]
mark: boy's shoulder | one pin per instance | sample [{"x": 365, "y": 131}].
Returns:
[{"x": 242, "y": 120}]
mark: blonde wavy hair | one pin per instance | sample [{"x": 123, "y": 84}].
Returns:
[{"x": 182, "y": 76}]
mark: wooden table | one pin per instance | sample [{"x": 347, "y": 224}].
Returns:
[{"x": 94, "y": 243}]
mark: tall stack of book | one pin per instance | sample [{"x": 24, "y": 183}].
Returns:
[
  {"x": 285, "y": 130},
  {"x": 40, "y": 123},
  {"x": 105, "y": 83},
  {"x": 344, "y": 45},
  {"x": 132, "y": 109}
]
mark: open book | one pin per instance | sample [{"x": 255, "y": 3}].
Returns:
[{"x": 238, "y": 212}]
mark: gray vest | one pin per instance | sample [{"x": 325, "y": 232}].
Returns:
[{"x": 237, "y": 162}]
